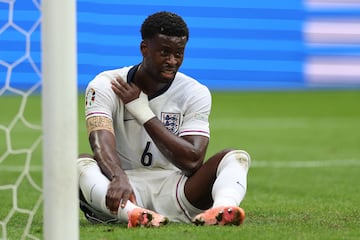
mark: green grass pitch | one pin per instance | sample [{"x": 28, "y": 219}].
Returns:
[{"x": 303, "y": 183}]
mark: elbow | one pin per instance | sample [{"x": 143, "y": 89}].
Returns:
[
  {"x": 190, "y": 172},
  {"x": 193, "y": 162},
  {"x": 192, "y": 167}
]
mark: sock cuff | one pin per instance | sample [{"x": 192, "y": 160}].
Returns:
[{"x": 242, "y": 156}]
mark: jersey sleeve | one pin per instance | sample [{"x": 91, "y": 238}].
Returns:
[
  {"x": 196, "y": 116},
  {"x": 100, "y": 99}
]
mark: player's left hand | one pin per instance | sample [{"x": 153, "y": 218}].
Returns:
[{"x": 125, "y": 91}]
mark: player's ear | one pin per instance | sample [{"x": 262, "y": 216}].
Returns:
[{"x": 143, "y": 47}]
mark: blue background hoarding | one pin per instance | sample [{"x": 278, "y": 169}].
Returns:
[{"x": 234, "y": 45}]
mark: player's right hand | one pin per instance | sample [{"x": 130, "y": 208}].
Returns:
[
  {"x": 118, "y": 193},
  {"x": 127, "y": 92}
]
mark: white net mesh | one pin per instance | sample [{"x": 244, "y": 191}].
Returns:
[{"x": 20, "y": 120}]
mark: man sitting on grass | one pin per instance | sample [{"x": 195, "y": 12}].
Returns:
[{"x": 149, "y": 131}]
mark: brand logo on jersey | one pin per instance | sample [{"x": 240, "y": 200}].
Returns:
[
  {"x": 90, "y": 97},
  {"x": 171, "y": 121}
]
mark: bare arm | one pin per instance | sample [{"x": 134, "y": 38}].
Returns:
[
  {"x": 102, "y": 142},
  {"x": 187, "y": 153},
  {"x": 104, "y": 154}
]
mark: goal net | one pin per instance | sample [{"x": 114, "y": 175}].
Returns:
[{"x": 37, "y": 183}]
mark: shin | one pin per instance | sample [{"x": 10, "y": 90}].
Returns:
[{"x": 231, "y": 183}]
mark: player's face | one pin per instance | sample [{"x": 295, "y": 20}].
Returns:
[{"x": 163, "y": 56}]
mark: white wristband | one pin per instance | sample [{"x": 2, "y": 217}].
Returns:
[{"x": 140, "y": 109}]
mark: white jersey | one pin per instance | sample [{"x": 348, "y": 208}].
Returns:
[{"x": 183, "y": 108}]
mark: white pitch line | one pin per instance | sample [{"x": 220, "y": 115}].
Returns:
[
  {"x": 305, "y": 164},
  {"x": 19, "y": 168}
]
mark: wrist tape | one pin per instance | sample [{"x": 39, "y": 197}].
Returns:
[{"x": 140, "y": 109}]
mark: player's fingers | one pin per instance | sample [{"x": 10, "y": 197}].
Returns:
[
  {"x": 112, "y": 201},
  {"x": 121, "y": 83},
  {"x": 125, "y": 198},
  {"x": 115, "y": 88},
  {"x": 133, "y": 199},
  {"x": 116, "y": 85},
  {"x": 119, "y": 79}
]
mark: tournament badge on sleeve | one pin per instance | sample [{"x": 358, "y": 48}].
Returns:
[
  {"x": 171, "y": 121},
  {"x": 90, "y": 97}
]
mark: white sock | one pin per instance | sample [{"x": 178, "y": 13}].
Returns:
[
  {"x": 231, "y": 183},
  {"x": 94, "y": 185}
]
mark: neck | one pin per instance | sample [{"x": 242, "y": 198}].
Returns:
[{"x": 147, "y": 83}]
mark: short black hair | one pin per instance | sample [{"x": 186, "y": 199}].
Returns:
[{"x": 166, "y": 23}]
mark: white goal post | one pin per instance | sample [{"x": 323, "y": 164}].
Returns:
[{"x": 59, "y": 120}]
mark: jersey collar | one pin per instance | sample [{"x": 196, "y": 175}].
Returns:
[{"x": 131, "y": 75}]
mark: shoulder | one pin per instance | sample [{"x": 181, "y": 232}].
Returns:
[
  {"x": 189, "y": 93},
  {"x": 190, "y": 85},
  {"x": 105, "y": 77},
  {"x": 100, "y": 87}
]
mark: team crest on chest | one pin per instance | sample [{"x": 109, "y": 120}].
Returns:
[{"x": 171, "y": 121}]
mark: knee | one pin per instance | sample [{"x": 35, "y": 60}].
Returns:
[
  {"x": 230, "y": 151},
  {"x": 231, "y": 154},
  {"x": 242, "y": 156},
  {"x": 239, "y": 155},
  {"x": 85, "y": 155},
  {"x": 86, "y": 164},
  {"x": 224, "y": 152}
]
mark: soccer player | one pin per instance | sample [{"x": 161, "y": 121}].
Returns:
[{"x": 149, "y": 131}]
